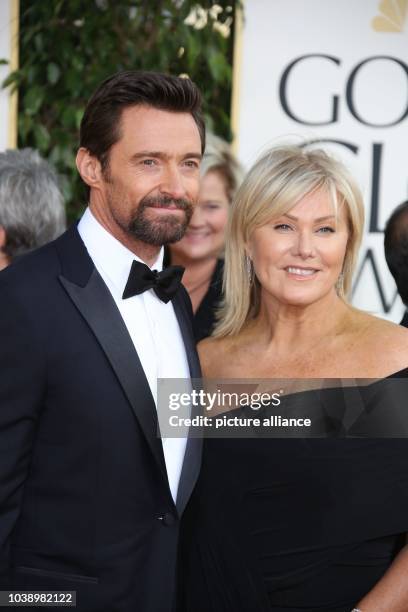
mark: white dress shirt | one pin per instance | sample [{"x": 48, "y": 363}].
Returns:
[{"x": 152, "y": 324}]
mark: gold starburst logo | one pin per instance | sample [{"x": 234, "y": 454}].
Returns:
[{"x": 392, "y": 16}]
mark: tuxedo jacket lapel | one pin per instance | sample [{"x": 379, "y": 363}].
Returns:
[
  {"x": 181, "y": 311},
  {"x": 90, "y": 295},
  {"x": 192, "y": 457}
]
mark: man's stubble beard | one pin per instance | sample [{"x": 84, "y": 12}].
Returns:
[
  {"x": 164, "y": 230},
  {"x": 160, "y": 231}
]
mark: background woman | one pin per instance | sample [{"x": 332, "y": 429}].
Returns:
[
  {"x": 289, "y": 525},
  {"x": 201, "y": 249}
]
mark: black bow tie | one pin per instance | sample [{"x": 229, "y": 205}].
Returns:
[{"x": 164, "y": 283}]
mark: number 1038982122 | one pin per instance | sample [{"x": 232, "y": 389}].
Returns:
[{"x": 38, "y": 598}]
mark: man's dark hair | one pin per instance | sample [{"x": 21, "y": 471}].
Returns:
[
  {"x": 396, "y": 248},
  {"x": 100, "y": 125}
]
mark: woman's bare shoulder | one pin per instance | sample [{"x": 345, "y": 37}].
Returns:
[{"x": 385, "y": 342}]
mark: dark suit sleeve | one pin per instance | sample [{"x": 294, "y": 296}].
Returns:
[{"x": 22, "y": 369}]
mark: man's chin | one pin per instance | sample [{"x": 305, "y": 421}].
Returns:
[{"x": 167, "y": 230}]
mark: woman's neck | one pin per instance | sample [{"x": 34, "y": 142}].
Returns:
[
  {"x": 197, "y": 277},
  {"x": 287, "y": 328}
]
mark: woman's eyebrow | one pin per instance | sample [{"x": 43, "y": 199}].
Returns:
[{"x": 318, "y": 220}]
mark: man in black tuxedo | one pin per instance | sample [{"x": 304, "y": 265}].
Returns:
[
  {"x": 90, "y": 496},
  {"x": 396, "y": 252}
]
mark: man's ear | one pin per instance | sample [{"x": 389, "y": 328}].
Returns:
[
  {"x": 89, "y": 167},
  {"x": 3, "y": 238},
  {"x": 5, "y": 260}
]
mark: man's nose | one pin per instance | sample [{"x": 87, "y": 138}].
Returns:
[{"x": 173, "y": 183}]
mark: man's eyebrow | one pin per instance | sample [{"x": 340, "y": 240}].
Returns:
[
  {"x": 194, "y": 155},
  {"x": 318, "y": 220},
  {"x": 165, "y": 156}
]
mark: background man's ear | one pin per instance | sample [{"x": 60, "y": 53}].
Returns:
[
  {"x": 3, "y": 237},
  {"x": 89, "y": 168},
  {"x": 4, "y": 258}
]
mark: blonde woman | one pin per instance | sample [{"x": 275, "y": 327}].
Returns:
[{"x": 295, "y": 525}]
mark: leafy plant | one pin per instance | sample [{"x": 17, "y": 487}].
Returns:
[{"x": 67, "y": 47}]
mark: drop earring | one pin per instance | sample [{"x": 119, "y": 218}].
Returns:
[{"x": 249, "y": 269}]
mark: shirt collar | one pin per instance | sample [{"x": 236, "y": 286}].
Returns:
[{"x": 108, "y": 253}]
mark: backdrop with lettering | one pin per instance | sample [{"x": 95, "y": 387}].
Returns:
[{"x": 336, "y": 72}]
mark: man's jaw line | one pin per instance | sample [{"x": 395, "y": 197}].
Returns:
[{"x": 145, "y": 251}]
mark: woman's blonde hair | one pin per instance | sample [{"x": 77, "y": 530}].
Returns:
[{"x": 278, "y": 180}]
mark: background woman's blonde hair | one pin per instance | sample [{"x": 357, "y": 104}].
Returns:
[
  {"x": 218, "y": 157},
  {"x": 278, "y": 180}
]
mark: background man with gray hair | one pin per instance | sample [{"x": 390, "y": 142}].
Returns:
[{"x": 31, "y": 204}]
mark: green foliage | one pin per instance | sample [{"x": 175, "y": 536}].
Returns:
[{"x": 67, "y": 47}]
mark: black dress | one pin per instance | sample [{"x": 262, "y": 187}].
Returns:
[
  {"x": 204, "y": 318},
  {"x": 303, "y": 524}
]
